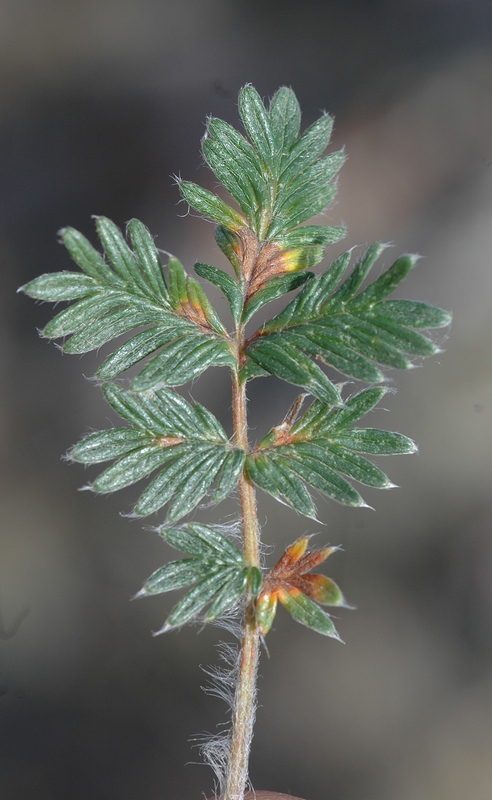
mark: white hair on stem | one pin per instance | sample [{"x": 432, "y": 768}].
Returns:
[{"x": 215, "y": 748}]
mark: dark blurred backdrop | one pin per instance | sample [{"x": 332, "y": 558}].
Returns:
[{"x": 101, "y": 102}]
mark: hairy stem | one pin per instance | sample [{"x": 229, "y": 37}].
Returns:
[{"x": 245, "y": 699}]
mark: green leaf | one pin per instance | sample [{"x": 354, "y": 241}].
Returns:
[
  {"x": 203, "y": 541},
  {"x": 178, "y": 292},
  {"x": 58, "y": 286},
  {"x": 230, "y": 173},
  {"x": 311, "y": 235},
  {"x": 109, "y": 444},
  {"x": 355, "y": 280},
  {"x": 88, "y": 259},
  {"x": 387, "y": 282},
  {"x": 163, "y": 412},
  {"x": 131, "y": 468},
  {"x": 200, "y": 302},
  {"x": 227, "y": 284},
  {"x": 277, "y": 179},
  {"x": 197, "y": 598},
  {"x": 129, "y": 293},
  {"x": 109, "y": 327},
  {"x": 280, "y": 482},
  {"x": 230, "y": 246},
  {"x": 285, "y": 120},
  {"x": 170, "y": 480},
  {"x": 277, "y": 356},
  {"x": 211, "y": 426},
  {"x": 229, "y": 594},
  {"x": 257, "y": 124},
  {"x": 252, "y": 370},
  {"x": 256, "y": 581},
  {"x": 307, "y": 149},
  {"x": 307, "y": 303},
  {"x": 217, "y": 568},
  {"x": 82, "y": 314},
  {"x": 184, "y": 359},
  {"x": 308, "y": 613},
  {"x": 148, "y": 258},
  {"x": 120, "y": 255},
  {"x": 184, "y": 444},
  {"x": 276, "y": 287},
  {"x": 197, "y": 484},
  {"x": 177, "y": 574},
  {"x": 211, "y": 206},
  {"x": 353, "y": 331},
  {"x": 326, "y": 480},
  {"x": 319, "y": 420},
  {"x": 321, "y": 449},
  {"x": 339, "y": 458},
  {"x": 236, "y": 150},
  {"x": 229, "y": 476},
  {"x": 308, "y": 203},
  {"x": 414, "y": 314},
  {"x": 139, "y": 347},
  {"x": 376, "y": 442},
  {"x": 308, "y": 185}
]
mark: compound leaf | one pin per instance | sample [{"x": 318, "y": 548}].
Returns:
[
  {"x": 184, "y": 444},
  {"x": 217, "y": 568},
  {"x": 322, "y": 450},
  {"x": 355, "y": 332},
  {"x": 277, "y": 178},
  {"x": 115, "y": 298}
]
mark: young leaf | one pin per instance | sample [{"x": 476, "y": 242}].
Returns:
[
  {"x": 278, "y": 179},
  {"x": 299, "y": 591},
  {"x": 305, "y": 611}
]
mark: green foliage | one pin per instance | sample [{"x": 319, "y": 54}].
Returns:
[
  {"x": 185, "y": 443},
  {"x": 320, "y": 448},
  {"x": 216, "y": 568},
  {"x": 352, "y": 331},
  {"x": 130, "y": 292},
  {"x": 278, "y": 179},
  {"x": 300, "y": 592},
  {"x": 161, "y": 322}
]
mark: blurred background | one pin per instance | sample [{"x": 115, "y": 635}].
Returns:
[{"x": 101, "y": 102}]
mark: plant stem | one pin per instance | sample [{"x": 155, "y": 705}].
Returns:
[{"x": 244, "y": 701}]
